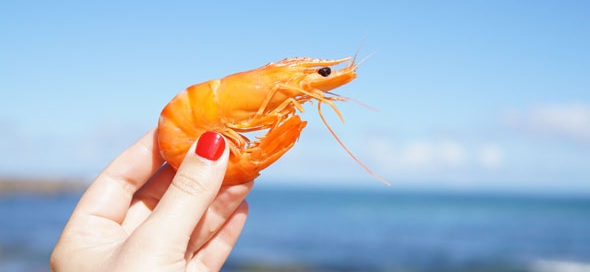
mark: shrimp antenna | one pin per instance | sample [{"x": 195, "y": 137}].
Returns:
[
  {"x": 346, "y": 149},
  {"x": 358, "y": 50},
  {"x": 366, "y": 58},
  {"x": 346, "y": 98}
]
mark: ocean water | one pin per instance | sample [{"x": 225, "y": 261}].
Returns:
[{"x": 346, "y": 230}]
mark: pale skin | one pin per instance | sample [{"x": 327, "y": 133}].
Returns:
[{"x": 140, "y": 216}]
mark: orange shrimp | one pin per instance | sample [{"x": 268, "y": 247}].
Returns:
[{"x": 268, "y": 97}]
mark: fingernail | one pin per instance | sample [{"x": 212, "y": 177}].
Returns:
[{"x": 210, "y": 146}]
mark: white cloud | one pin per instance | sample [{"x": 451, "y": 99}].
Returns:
[
  {"x": 490, "y": 156},
  {"x": 452, "y": 153},
  {"x": 415, "y": 154},
  {"x": 442, "y": 156},
  {"x": 570, "y": 121},
  {"x": 424, "y": 155}
]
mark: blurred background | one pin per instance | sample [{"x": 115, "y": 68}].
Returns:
[{"x": 483, "y": 126}]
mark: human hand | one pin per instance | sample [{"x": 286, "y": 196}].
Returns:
[{"x": 139, "y": 216}]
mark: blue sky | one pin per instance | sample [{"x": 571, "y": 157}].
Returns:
[{"x": 482, "y": 95}]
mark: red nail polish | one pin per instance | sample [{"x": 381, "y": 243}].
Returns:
[{"x": 210, "y": 146}]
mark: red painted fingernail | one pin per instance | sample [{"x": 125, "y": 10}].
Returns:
[{"x": 210, "y": 145}]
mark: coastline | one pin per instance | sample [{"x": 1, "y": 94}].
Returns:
[{"x": 40, "y": 186}]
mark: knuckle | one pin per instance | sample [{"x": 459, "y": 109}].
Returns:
[{"x": 189, "y": 184}]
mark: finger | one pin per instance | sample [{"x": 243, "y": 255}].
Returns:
[
  {"x": 193, "y": 188},
  {"x": 224, "y": 205},
  {"x": 148, "y": 196},
  {"x": 212, "y": 256},
  {"x": 110, "y": 194}
]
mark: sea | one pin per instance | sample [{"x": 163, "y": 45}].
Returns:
[{"x": 327, "y": 229}]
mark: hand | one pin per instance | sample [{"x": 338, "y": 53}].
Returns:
[{"x": 139, "y": 216}]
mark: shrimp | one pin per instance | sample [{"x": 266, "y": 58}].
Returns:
[{"x": 266, "y": 98}]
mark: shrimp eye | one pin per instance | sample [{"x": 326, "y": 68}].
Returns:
[{"x": 325, "y": 71}]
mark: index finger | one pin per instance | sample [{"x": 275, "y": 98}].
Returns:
[{"x": 109, "y": 196}]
